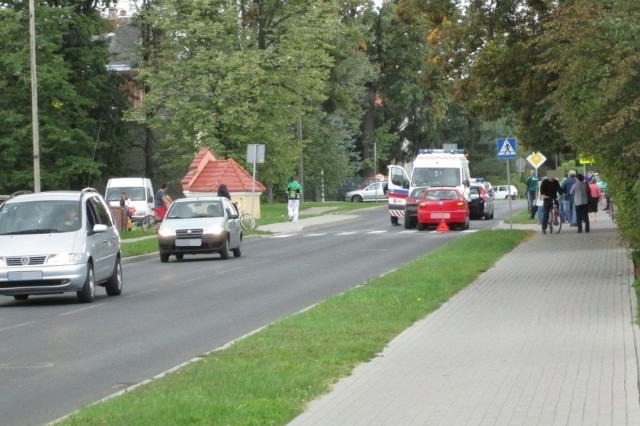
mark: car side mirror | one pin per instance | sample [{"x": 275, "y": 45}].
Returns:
[
  {"x": 232, "y": 215},
  {"x": 405, "y": 184}
]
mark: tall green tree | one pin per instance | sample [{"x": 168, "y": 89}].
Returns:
[
  {"x": 412, "y": 88},
  {"x": 80, "y": 105},
  {"x": 493, "y": 56},
  {"x": 592, "y": 47},
  {"x": 237, "y": 73}
]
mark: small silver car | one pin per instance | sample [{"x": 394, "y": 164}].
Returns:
[
  {"x": 57, "y": 242},
  {"x": 200, "y": 225},
  {"x": 372, "y": 192}
]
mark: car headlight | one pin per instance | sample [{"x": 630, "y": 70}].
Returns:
[
  {"x": 214, "y": 229},
  {"x": 3, "y": 262},
  {"x": 166, "y": 232},
  {"x": 65, "y": 259}
]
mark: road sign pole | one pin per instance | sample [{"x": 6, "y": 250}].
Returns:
[
  {"x": 509, "y": 192},
  {"x": 507, "y": 148}
]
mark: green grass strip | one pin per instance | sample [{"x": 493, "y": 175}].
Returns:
[{"x": 269, "y": 377}]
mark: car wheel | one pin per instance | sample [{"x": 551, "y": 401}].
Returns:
[
  {"x": 88, "y": 291},
  {"x": 114, "y": 284},
  {"x": 356, "y": 199},
  {"x": 21, "y": 296},
  {"x": 224, "y": 250},
  {"x": 409, "y": 222},
  {"x": 421, "y": 226},
  {"x": 180, "y": 256},
  {"x": 237, "y": 252},
  {"x": 164, "y": 257}
]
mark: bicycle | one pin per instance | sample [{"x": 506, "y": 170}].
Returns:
[
  {"x": 247, "y": 221},
  {"x": 150, "y": 221},
  {"x": 555, "y": 221}
]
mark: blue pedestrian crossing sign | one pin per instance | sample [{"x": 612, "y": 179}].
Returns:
[{"x": 506, "y": 148}]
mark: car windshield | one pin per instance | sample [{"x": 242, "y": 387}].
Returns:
[
  {"x": 433, "y": 176},
  {"x": 444, "y": 194},
  {"x": 134, "y": 193},
  {"x": 417, "y": 192},
  {"x": 40, "y": 217},
  {"x": 191, "y": 209}
]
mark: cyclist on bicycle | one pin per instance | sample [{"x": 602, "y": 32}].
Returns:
[{"x": 549, "y": 191}]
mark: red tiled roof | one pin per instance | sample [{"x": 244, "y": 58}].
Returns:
[{"x": 206, "y": 173}]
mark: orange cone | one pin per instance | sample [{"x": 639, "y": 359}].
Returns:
[{"x": 443, "y": 227}]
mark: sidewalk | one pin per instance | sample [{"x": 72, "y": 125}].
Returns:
[
  {"x": 545, "y": 337},
  {"x": 308, "y": 220}
]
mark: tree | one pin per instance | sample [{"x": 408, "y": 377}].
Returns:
[
  {"x": 592, "y": 48},
  {"x": 79, "y": 103},
  {"x": 237, "y": 73},
  {"x": 412, "y": 85}
]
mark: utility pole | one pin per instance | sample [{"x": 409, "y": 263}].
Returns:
[
  {"x": 301, "y": 171},
  {"x": 34, "y": 99}
]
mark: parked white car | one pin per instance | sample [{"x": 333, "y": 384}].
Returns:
[{"x": 502, "y": 192}]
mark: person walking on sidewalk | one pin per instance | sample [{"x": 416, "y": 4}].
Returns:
[
  {"x": 580, "y": 194},
  {"x": 293, "y": 195},
  {"x": 594, "y": 197},
  {"x": 532, "y": 188},
  {"x": 567, "y": 198}
]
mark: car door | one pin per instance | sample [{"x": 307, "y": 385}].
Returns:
[
  {"x": 397, "y": 186},
  {"x": 233, "y": 223},
  {"x": 103, "y": 246},
  {"x": 373, "y": 192}
]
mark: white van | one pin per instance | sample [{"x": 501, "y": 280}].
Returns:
[{"x": 140, "y": 193}]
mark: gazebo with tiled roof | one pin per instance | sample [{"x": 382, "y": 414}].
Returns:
[{"x": 206, "y": 173}]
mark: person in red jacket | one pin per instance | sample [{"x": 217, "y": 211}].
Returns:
[{"x": 594, "y": 198}]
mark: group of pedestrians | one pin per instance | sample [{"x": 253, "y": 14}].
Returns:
[{"x": 575, "y": 198}]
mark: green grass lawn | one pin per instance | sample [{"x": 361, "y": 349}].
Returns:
[{"x": 269, "y": 377}]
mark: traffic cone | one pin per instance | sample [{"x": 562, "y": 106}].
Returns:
[{"x": 443, "y": 227}]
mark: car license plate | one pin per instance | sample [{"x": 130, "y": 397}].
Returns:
[
  {"x": 189, "y": 242},
  {"x": 24, "y": 275},
  {"x": 440, "y": 216}
]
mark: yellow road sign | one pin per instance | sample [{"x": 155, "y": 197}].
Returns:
[
  {"x": 585, "y": 159},
  {"x": 536, "y": 159}
]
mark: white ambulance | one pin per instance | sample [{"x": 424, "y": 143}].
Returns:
[{"x": 431, "y": 167}]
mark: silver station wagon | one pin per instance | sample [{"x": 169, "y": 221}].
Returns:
[
  {"x": 200, "y": 225},
  {"x": 57, "y": 242}
]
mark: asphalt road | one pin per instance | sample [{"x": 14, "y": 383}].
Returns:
[{"x": 57, "y": 355}]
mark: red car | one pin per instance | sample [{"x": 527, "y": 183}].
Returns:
[{"x": 443, "y": 203}]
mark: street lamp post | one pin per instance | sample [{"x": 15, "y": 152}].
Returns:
[{"x": 34, "y": 99}]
